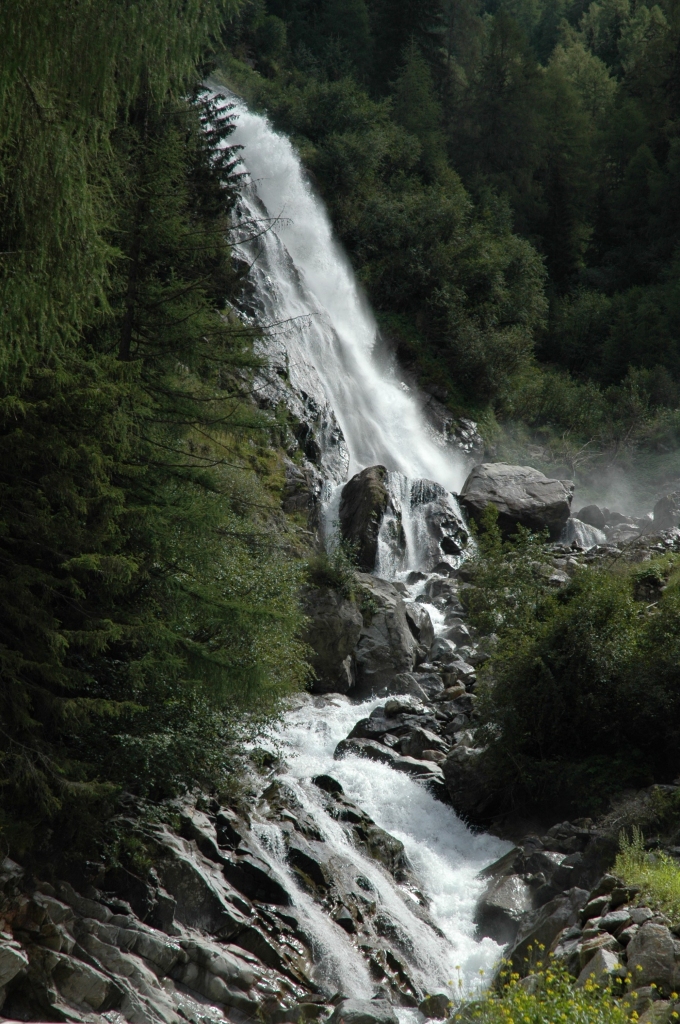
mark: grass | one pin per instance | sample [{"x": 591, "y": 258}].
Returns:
[{"x": 657, "y": 874}]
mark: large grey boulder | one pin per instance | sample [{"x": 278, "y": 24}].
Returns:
[
  {"x": 386, "y": 645},
  {"x": 333, "y": 630},
  {"x": 363, "y": 504},
  {"x": 502, "y": 908},
  {"x": 666, "y": 512},
  {"x": 544, "y": 928},
  {"x": 651, "y": 956},
  {"x": 522, "y": 496}
]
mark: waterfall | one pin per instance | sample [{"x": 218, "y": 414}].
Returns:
[
  {"x": 322, "y": 339},
  {"x": 309, "y": 291}
]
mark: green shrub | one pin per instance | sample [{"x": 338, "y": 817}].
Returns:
[{"x": 547, "y": 996}]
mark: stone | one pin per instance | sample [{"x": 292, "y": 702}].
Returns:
[
  {"x": 333, "y": 630},
  {"x": 602, "y": 969},
  {"x": 433, "y": 755},
  {"x": 418, "y": 740},
  {"x": 386, "y": 647},
  {"x": 502, "y": 907},
  {"x": 544, "y": 927},
  {"x": 639, "y": 915},
  {"x": 83, "y": 985},
  {"x": 614, "y": 920},
  {"x": 465, "y": 783},
  {"x": 420, "y": 624},
  {"x": 667, "y": 512},
  {"x": 363, "y": 504},
  {"x": 414, "y": 766},
  {"x": 12, "y": 960},
  {"x": 522, "y": 496},
  {"x": 592, "y": 515},
  {"x": 436, "y": 1007},
  {"x": 365, "y": 748},
  {"x": 363, "y": 1011},
  {"x": 651, "y": 956},
  {"x": 595, "y": 908},
  {"x": 302, "y": 489}
]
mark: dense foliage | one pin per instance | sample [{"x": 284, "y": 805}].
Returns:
[
  {"x": 463, "y": 147},
  {"x": 148, "y": 608},
  {"x": 581, "y": 698}
]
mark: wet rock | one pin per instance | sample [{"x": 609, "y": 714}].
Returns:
[
  {"x": 521, "y": 494},
  {"x": 445, "y": 534},
  {"x": 651, "y": 956},
  {"x": 253, "y": 877},
  {"x": 465, "y": 783},
  {"x": 501, "y": 909},
  {"x": 363, "y": 1011},
  {"x": 420, "y": 624},
  {"x": 416, "y": 767},
  {"x": 386, "y": 645},
  {"x": 334, "y": 627},
  {"x": 365, "y": 748},
  {"x": 363, "y": 504}
]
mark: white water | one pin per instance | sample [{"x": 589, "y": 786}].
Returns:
[
  {"x": 308, "y": 284},
  {"x": 307, "y": 291},
  {"x": 445, "y": 855}
]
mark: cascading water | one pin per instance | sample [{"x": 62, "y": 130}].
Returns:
[{"x": 306, "y": 292}]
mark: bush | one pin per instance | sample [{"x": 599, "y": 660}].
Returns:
[
  {"x": 656, "y": 874},
  {"x": 581, "y": 697},
  {"x": 548, "y": 995}
]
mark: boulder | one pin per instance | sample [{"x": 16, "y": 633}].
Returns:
[
  {"x": 502, "y": 907},
  {"x": 437, "y": 1006},
  {"x": 592, "y": 515},
  {"x": 12, "y": 960},
  {"x": 334, "y": 627},
  {"x": 651, "y": 956},
  {"x": 522, "y": 496},
  {"x": 420, "y": 624},
  {"x": 363, "y": 504},
  {"x": 363, "y": 1011},
  {"x": 544, "y": 927},
  {"x": 667, "y": 512},
  {"x": 582, "y": 535},
  {"x": 418, "y": 740},
  {"x": 465, "y": 782},
  {"x": 602, "y": 969},
  {"x": 386, "y": 647}
]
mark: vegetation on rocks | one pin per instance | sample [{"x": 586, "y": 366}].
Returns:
[
  {"x": 546, "y": 994},
  {"x": 655, "y": 873},
  {"x": 580, "y": 698}
]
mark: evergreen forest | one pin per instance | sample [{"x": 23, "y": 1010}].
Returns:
[{"x": 504, "y": 175}]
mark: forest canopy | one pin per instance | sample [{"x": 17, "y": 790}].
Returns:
[{"x": 505, "y": 178}]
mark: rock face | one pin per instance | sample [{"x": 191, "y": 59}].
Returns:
[
  {"x": 334, "y": 628},
  {"x": 363, "y": 504},
  {"x": 502, "y": 907},
  {"x": 386, "y": 647},
  {"x": 522, "y": 496}
]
